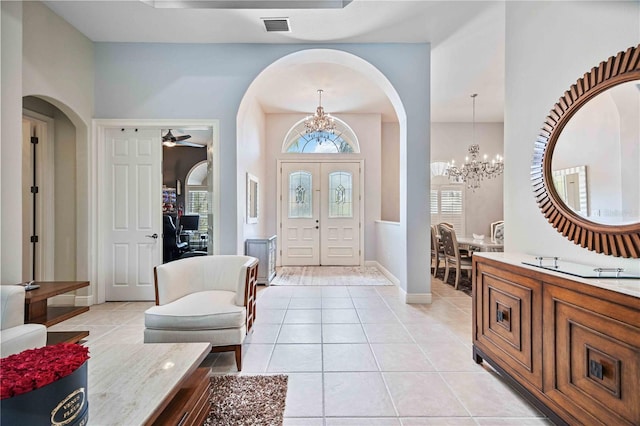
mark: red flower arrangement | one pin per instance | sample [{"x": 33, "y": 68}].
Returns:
[{"x": 35, "y": 368}]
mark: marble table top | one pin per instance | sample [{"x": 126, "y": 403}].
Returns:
[
  {"x": 127, "y": 382},
  {"x": 630, "y": 287}
]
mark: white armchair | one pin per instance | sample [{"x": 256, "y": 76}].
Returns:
[
  {"x": 15, "y": 335},
  {"x": 204, "y": 299}
]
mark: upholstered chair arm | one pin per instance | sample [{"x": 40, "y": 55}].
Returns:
[{"x": 12, "y": 306}]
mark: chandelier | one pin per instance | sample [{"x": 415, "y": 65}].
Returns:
[
  {"x": 320, "y": 121},
  {"x": 474, "y": 171}
]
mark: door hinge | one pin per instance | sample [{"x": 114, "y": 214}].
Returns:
[
  {"x": 281, "y": 253},
  {"x": 280, "y": 225},
  {"x": 34, "y": 238},
  {"x": 34, "y": 140},
  {"x": 34, "y": 189}
]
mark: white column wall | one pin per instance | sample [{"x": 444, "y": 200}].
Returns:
[{"x": 11, "y": 142}]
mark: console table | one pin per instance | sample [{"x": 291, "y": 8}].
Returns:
[
  {"x": 36, "y": 310},
  {"x": 569, "y": 345},
  {"x": 150, "y": 383}
]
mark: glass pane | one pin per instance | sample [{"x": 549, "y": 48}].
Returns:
[
  {"x": 300, "y": 195},
  {"x": 340, "y": 194},
  {"x": 320, "y": 143},
  {"x": 198, "y": 203}
]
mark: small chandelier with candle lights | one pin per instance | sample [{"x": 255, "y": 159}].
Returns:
[{"x": 320, "y": 121}]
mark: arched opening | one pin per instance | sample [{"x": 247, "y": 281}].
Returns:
[
  {"x": 59, "y": 219},
  {"x": 261, "y": 130}
]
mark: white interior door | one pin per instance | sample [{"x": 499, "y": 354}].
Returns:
[
  {"x": 300, "y": 214},
  {"x": 133, "y": 213},
  {"x": 340, "y": 214},
  {"x": 320, "y": 214}
]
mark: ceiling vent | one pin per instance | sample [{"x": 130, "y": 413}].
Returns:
[{"x": 277, "y": 25}]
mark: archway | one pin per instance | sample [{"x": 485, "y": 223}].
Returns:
[
  {"x": 62, "y": 211},
  {"x": 247, "y": 117}
]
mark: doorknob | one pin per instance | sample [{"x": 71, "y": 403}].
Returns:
[{"x": 154, "y": 236}]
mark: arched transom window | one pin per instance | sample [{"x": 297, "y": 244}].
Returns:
[{"x": 341, "y": 140}]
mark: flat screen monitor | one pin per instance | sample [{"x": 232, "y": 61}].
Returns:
[{"x": 189, "y": 222}]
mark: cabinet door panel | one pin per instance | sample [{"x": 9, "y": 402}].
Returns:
[
  {"x": 595, "y": 365},
  {"x": 509, "y": 326}
]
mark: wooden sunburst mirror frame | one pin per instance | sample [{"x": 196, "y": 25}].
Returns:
[{"x": 614, "y": 240}]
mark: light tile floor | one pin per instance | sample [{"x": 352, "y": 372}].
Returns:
[{"x": 355, "y": 356}]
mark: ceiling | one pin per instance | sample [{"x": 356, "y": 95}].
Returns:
[{"x": 467, "y": 42}]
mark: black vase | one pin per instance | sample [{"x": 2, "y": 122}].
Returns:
[{"x": 64, "y": 402}]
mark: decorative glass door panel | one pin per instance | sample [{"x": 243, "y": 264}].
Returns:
[
  {"x": 299, "y": 223},
  {"x": 320, "y": 214},
  {"x": 300, "y": 195},
  {"x": 340, "y": 194}
]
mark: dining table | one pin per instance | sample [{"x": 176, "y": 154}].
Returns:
[{"x": 484, "y": 244}]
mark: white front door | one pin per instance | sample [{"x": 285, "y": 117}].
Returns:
[
  {"x": 132, "y": 213},
  {"x": 320, "y": 214},
  {"x": 340, "y": 214},
  {"x": 300, "y": 212}
]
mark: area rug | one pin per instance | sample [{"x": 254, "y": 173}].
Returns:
[
  {"x": 247, "y": 400},
  {"x": 329, "y": 276},
  {"x": 464, "y": 285}
]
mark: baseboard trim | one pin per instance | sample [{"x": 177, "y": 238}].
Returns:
[
  {"x": 84, "y": 300},
  {"x": 418, "y": 298},
  {"x": 388, "y": 275},
  {"x": 62, "y": 300}
]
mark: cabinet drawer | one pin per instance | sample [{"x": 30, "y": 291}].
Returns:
[
  {"x": 594, "y": 369},
  {"x": 508, "y": 325}
]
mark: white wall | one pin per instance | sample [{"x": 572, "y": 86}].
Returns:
[
  {"x": 11, "y": 141},
  {"x": 450, "y": 141},
  {"x": 367, "y": 128},
  {"x": 252, "y": 149},
  {"x": 146, "y": 80},
  {"x": 390, "y": 172},
  {"x": 545, "y": 54}
]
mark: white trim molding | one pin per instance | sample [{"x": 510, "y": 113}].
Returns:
[{"x": 388, "y": 275}]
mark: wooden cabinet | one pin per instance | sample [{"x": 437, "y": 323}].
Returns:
[
  {"x": 509, "y": 320},
  {"x": 265, "y": 250},
  {"x": 571, "y": 348}
]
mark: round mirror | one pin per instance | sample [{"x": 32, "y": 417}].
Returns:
[
  {"x": 601, "y": 181},
  {"x": 586, "y": 165}
]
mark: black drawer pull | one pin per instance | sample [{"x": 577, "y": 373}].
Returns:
[
  {"x": 595, "y": 369},
  {"x": 501, "y": 316}
]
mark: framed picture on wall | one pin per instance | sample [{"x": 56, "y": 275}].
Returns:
[{"x": 252, "y": 198}]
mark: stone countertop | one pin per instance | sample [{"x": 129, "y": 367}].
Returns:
[
  {"x": 629, "y": 286},
  {"x": 127, "y": 382}
]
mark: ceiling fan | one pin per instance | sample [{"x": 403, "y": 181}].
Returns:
[{"x": 170, "y": 140}]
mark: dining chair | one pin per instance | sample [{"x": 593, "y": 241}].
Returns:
[
  {"x": 452, "y": 254},
  {"x": 497, "y": 228},
  {"x": 437, "y": 252}
]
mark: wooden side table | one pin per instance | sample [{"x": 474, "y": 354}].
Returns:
[{"x": 36, "y": 310}]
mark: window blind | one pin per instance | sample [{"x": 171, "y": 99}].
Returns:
[
  {"x": 447, "y": 205},
  {"x": 198, "y": 203}
]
